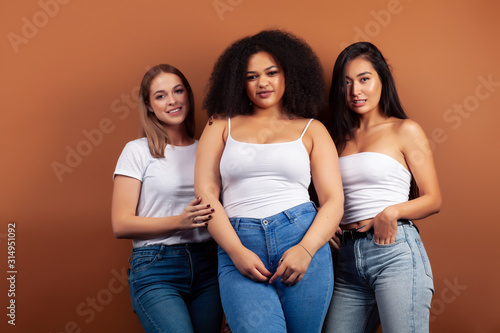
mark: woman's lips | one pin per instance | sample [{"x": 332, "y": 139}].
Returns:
[
  {"x": 264, "y": 94},
  {"x": 174, "y": 110},
  {"x": 359, "y": 102}
]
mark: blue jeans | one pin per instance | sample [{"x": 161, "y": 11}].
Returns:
[
  {"x": 262, "y": 307},
  {"x": 388, "y": 284},
  {"x": 175, "y": 289}
]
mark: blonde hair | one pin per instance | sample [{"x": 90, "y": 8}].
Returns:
[{"x": 152, "y": 128}]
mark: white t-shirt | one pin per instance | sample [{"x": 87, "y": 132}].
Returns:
[{"x": 167, "y": 186}]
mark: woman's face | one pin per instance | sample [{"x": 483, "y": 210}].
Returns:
[
  {"x": 169, "y": 99},
  {"x": 265, "y": 81},
  {"x": 363, "y": 85}
]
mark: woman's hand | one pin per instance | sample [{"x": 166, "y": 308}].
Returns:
[
  {"x": 385, "y": 227},
  {"x": 126, "y": 224},
  {"x": 335, "y": 241},
  {"x": 195, "y": 215},
  {"x": 250, "y": 265},
  {"x": 293, "y": 265}
]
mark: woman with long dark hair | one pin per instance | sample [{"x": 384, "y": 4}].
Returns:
[
  {"x": 389, "y": 180},
  {"x": 173, "y": 275}
]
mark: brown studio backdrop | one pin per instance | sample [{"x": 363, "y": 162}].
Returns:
[{"x": 70, "y": 72}]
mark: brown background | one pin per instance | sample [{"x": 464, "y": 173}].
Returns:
[{"x": 69, "y": 78}]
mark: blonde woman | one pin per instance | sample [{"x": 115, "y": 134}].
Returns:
[{"x": 173, "y": 275}]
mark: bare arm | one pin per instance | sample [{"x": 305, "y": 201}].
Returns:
[
  {"x": 126, "y": 224},
  {"x": 208, "y": 185},
  {"x": 418, "y": 156},
  {"x": 326, "y": 177}
]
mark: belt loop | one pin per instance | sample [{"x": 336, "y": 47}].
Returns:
[
  {"x": 160, "y": 251},
  {"x": 130, "y": 256},
  {"x": 236, "y": 224},
  {"x": 288, "y": 215}
]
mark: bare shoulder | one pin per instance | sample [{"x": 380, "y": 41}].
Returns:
[
  {"x": 408, "y": 129},
  {"x": 215, "y": 127},
  {"x": 317, "y": 127},
  {"x": 316, "y": 130},
  {"x": 217, "y": 122},
  {"x": 411, "y": 136},
  {"x": 317, "y": 136}
]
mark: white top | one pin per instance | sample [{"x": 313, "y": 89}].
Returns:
[
  {"x": 167, "y": 186},
  {"x": 372, "y": 182},
  {"x": 260, "y": 180}
]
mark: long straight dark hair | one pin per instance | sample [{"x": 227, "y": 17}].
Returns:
[{"x": 344, "y": 120}]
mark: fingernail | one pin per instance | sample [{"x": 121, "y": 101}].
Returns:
[
  {"x": 208, "y": 205},
  {"x": 212, "y": 210},
  {"x": 209, "y": 216}
]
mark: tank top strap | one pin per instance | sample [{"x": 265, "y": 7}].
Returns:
[
  {"x": 305, "y": 129},
  {"x": 228, "y": 126}
]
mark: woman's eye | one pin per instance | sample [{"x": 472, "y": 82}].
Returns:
[
  {"x": 272, "y": 73},
  {"x": 347, "y": 83},
  {"x": 364, "y": 79},
  {"x": 179, "y": 91},
  {"x": 251, "y": 77},
  {"x": 159, "y": 96}
]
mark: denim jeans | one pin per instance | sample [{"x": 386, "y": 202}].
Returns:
[
  {"x": 262, "y": 307},
  {"x": 388, "y": 284},
  {"x": 175, "y": 288}
]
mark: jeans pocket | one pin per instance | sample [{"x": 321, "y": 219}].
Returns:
[
  {"x": 400, "y": 238},
  {"x": 141, "y": 263},
  {"x": 425, "y": 258},
  {"x": 305, "y": 220}
]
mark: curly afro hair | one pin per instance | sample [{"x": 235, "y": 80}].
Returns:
[{"x": 304, "y": 87}]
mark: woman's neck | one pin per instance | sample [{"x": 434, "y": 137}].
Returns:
[
  {"x": 274, "y": 112},
  {"x": 179, "y": 137},
  {"x": 371, "y": 119}
]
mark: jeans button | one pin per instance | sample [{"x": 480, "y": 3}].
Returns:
[{"x": 265, "y": 222}]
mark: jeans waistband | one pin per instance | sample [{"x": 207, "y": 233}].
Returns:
[
  {"x": 163, "y": 249},
  {"x": 353, "y": 234},
  {"x": 290, "y": 214}
]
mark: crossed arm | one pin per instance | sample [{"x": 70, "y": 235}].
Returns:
[{"x": 126, "y": 224}]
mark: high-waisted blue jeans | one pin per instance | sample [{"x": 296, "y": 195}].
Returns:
[
  {"x": 388, "y": 284},
  {"x": 262, "y": 307},
  {"x": 175, "y": 288}
]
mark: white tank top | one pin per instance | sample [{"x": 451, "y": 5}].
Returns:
[
  {"x": 372, "y": 182},
  {"x": 260, "y": 180}
]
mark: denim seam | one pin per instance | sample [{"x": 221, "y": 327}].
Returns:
[
  {"x": 414, "y": 286},
  {"x": 330, "y": 283},
  {"x": 147, "y": 314},
  {"x": 191, "y": 269},
  {"x": 420, "y": 249},
  {"x": 360, "y": 262},
  {"x": 270, "y": 246},
  {"x": 367, "y": 318}
]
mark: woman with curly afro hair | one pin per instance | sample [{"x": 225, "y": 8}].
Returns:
[{"x": 258, "y": 153}]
